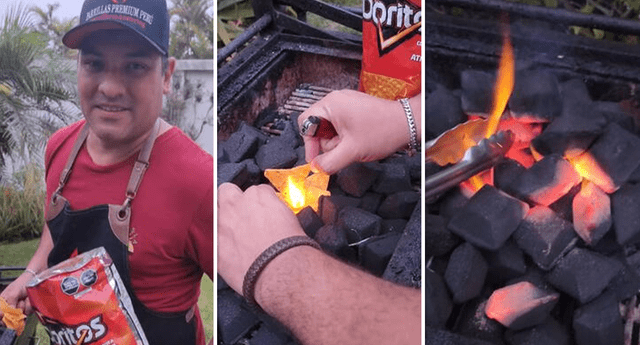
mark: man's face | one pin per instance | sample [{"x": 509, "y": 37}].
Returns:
[{"x": 121, "y": 84}]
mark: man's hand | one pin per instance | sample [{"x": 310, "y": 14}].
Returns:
[
  {"x": 16, "y": 295},
  {"x": 248, "y": 223},
  {"x": 368, "y": 128}
]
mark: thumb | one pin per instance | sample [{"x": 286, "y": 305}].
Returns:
[{"x": 332, "y": 161}]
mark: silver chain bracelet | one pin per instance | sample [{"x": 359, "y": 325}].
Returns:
[{"x": 413, "y": 133}]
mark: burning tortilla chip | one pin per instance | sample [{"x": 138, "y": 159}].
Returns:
[
  {"x": 450, "y": 146},
  {"x": 297, "y": 188},
  {"x": 278, "y": 177},
  {"x": 13, "y": 317}
]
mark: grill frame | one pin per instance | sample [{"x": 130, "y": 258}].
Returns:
[
  {"x": 271, "y": 44},
  {"x": 459, "y": 43}
]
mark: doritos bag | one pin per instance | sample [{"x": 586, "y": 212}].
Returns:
[
  {"x": 82, "y": 300},
  {"x": 391, "y": 39}
]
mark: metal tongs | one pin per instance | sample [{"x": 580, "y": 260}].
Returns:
[{"x": 486, "y": 154}]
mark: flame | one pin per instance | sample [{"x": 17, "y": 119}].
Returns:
[
  {"x": 589, "y": 169},
  {"x": 504, "y": 82},
  {"x": 502, "y": 91},
  {"x": 299, "y": 187},
  {"x": 294, "y": 195}
]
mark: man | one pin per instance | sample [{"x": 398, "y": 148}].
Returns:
[{"x": 124, "y": 179}]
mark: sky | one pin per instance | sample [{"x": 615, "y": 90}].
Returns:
[{"x": 67, "y": 9}]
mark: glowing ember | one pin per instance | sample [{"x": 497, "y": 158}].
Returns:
[
  {"x": 591, "y": 213},
  {"x": 299, "y": 187}
]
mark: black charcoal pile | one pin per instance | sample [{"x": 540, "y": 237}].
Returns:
[
  {"x": 542, "y": 256},
  {"x": 372, "y": 218}
]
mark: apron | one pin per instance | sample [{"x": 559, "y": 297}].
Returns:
[{"x": 108, "y": 226}]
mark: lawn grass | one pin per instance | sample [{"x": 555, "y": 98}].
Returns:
[
  {"x": 19, "y": 254},
  {"x": 322, "y": 23}
]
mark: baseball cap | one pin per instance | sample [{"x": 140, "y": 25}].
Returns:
[{"x": 148, "y": 18}]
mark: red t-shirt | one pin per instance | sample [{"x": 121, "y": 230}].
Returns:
[{"x": 172, "y": 213}]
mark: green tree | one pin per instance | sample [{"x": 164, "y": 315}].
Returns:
[
  {"x": 53, "y": 28},
  {"x": 32, "y": 88},
  {"x": 192, "y": 29}
]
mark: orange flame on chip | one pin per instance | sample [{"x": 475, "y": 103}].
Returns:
[
  {"x": 299, "y": 187},
  {"x": 295, "y": 196},
  {"x": 504, "y": 81},
  {"x": 502, "y": 91}
]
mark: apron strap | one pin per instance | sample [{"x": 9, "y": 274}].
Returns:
[
  {"x": 77, "y": 145},
  {"x": 141, "y": 164},
  {"x": 139, "y": 168}
]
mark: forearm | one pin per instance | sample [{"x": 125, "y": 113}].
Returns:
[
  {"x": 324, "y": 301},
  {"x": 38, "y": 262}
]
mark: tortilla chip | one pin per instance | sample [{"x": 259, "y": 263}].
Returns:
[{"x": 13, "y": 317}]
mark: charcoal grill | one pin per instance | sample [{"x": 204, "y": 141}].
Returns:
[
  {"x": 277, "y": 53},
  {"x": 539, "y": 34},
  {"x": 276, "y": 69},
  {"x": 541, "y": 40}
]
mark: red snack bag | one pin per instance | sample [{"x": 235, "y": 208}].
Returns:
[
  {"x": 391, "y": 51},
  {"x": 82, "y": 300}
]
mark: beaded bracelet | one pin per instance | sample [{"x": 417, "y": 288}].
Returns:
[
  {"x": 251, "y": 277},
  {"x": 413, "y": 133}
]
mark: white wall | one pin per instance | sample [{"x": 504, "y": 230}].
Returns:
[{"x": 199, "y": 72}]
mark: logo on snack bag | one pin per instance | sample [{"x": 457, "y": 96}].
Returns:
[
  {"x": 88, "y": 278},
  {"x": 395, "y": 22},
  {"x": 62, "y": 334},
  {"x": 70, "y": 285}
]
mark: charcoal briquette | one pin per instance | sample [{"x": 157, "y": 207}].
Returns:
[
  {"x": 583, "y": 274},
  {"x": 466, "y": 273},
  {"x": 477, "y": 92},
  {"x": 234, "y": 318},
  {"x": 393, "y": 178},
  {"x": 357, "y": 178},
  {"x": 489, "y": 218},
  {"x": 359, "y": 224},
  {"x": 544, "y": 236},
  {"x": 625, "y": 204},
  {"x": 546, "y": 181},
  {"x": 309, "y": 220},
  {"x": 438, "y": 305},
  {"x": 333, "y": 239},
  {"x": 276, "y": 154},
  {"x": 535, "y": 96},
  {"x": 599, "y": 322},
  {"x": 547, "y": 333},
  {"x": 376, "y": 252},
  {"x": 439, "y": 239},
  {"x": 399, "y": 205},
  {"x": 404, "y": 267},
  {"x": 617, "y": 152},
  {"x": 444, "y": 111}
]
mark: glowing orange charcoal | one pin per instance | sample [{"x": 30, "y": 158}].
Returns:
[{"x": 299, "y": 187}]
